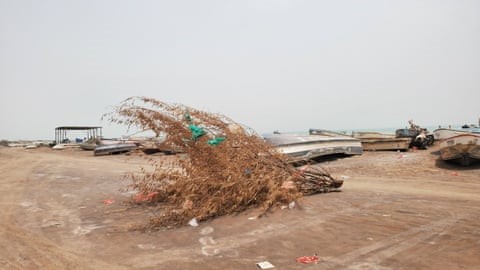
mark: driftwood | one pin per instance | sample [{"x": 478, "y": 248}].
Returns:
[{"x": 314, "y": 180}]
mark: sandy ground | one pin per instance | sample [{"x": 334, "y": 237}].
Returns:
[{"x": 395, "y": 211}]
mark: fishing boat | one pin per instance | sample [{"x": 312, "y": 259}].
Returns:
[
  {"x": 445, "y": 133},
  {"x": 88, "y": 146},
  {"x": 63, "y": 146},
  {"x": 305, "y": 147},
  {"x": 117, "y": 148},
  {"x": 420, "y": 137},
  {"x": 375, "y": 141},
  {"x": 463, "y": 148},
  {"x": 326, "y": 132}
]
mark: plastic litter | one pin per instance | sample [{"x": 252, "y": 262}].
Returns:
[
  {"x": 291, "y": 205},
  {"x": 140, "y": 197},
  {"x": 308, "y": 259},
  {"x": 216, "y": 141},
  {"x": 197, "y": 132},
  {"x": 187, "y": 117},
  {"x": 265, "y": 265},
  {"x": 108, "y": 201},
  {"x": 193, "y": 222}
]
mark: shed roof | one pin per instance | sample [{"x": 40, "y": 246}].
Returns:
[{"x": 78, "y": 127}]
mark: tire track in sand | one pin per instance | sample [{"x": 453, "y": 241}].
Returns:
[{"x": 20, "y": 248}]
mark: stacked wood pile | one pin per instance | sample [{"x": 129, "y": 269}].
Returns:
[{"x": 226, "y": 167}]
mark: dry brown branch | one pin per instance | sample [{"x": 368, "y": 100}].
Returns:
[{"x": 241, "y": 172}]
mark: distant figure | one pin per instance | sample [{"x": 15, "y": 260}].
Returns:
[{"x": 413, "y": 126}]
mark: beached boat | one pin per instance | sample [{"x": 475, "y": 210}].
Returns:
[
  {"x": 88, "y": 146},
  {"x": 31, "y": 146},
  {"x": 325, "y": 132},
  {"x": 63, "y": 146},
  {"x": 445, "y": 133},
  {"x": 375, "y": 141},
  {"x": 304, "y": 147},
  {"x": 420, "y": 137},
  {"x": 114, "y": 148},
  {"x": 463, "y": 148}
]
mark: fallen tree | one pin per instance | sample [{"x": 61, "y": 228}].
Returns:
[{"x": 225, "y": 167}]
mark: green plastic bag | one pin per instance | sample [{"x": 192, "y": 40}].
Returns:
[
  {"x": 197, "y": 132},
  {"x": 187, "y": 117},
  {"x": 216, "y": 141}
]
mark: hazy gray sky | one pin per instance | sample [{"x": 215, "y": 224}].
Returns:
[{"x": 272, "y": 65}]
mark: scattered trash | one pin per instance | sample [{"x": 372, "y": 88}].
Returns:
[
  {"x": 197, "y": 132},
  {"x": 252, "y": 218},
  {"x": 265, "y": 265},
  {"x": 216, "y": 141},
  {"x": 291, "y": 205},
  {"x": 370, "y": 239},
  {"x": 108, "y": 201},
  {"x": 141, "y": 197},
  {"x": 308, "y": 259},
  {"x": 193, "y": 222}
]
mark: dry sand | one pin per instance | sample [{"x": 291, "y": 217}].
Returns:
[{"x": 395, "y": 211}]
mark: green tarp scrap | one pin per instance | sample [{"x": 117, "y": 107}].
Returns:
[
  {"x": 197, "y": 132},
  {"x": 216, "y": 141},
  {"x": 187, "y": 117}
]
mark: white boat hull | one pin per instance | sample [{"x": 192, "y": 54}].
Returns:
[
  {"x": 386, "y": 144},
  {"x": 463, "y": 148},
  {"x": 374, "y": 141},
  {"x": 445, "y": 133},
  {"x": 305, "y": 147}
]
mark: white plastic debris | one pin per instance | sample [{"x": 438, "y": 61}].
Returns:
[
  {"x": 193, "y": 222},
  {"x": 265, "y": 265},
  {"x": 291, "y": 205}
]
